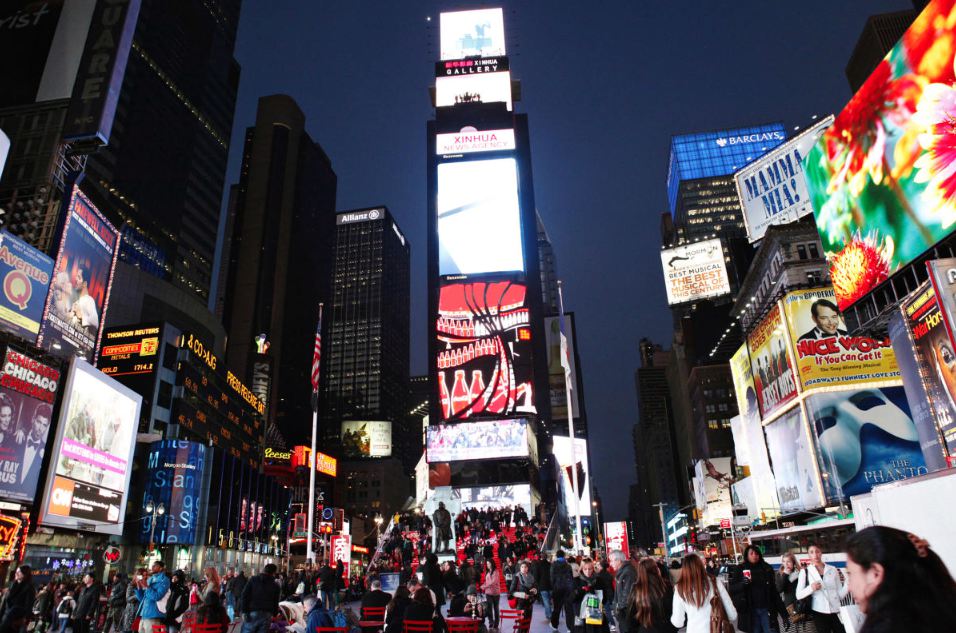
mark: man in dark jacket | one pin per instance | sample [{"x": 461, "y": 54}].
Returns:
[
  {"x": 236, "y": 585},
  {"x": 326, "y": 585},
  {"x": 87, "y": 605},
  {"x": 562, "y": 587},
  {"x": 259, "y": 601},
  {"x": 116, "y": 603},
  {"x": 376, "y": 598},
  {"x": 542, "y": 577},
  {"x": 753, "y": 590},
  {"x": 624, "y": 577}
]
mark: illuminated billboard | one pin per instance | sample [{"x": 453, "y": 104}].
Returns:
[
  {"x": 477, "y": 440},
  {"x": 556, "y": 383},
  {"x": 711, "y": 495},
  {"x": 695, "y": 271},
  {"x": 480, "y": 497},
  {"x": 479, "y": 220},
  {"x": 367, "y": 438},
  {"x": 864, "y": 438},
  {"x": 174, "y": 475},
  {"x": 562, "y": 453},
  {"x": 825, "y": 354},
  {"x": 744, "y": 388},
  {"x": 27, "y": 393},
  {"x": 482, "y": 88},
  {"x": 880, "y": 178},
  {"x": 480, "y": 32},
  {"x": 484, "y": 360},
  {"x": 90, "y": 469},
  {"x": 770, "y": 364},
  {"x": 773, "y": 189},
  {"x": 792, "y": 458},
  {"x": 615, "y": 538},
  {"x": 25, "y": 276},
  {"x": 83, "y": 275},
  {"x": 471, "y": 140}
]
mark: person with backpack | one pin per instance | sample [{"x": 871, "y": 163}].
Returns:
[
  {"x": 259, "y": 601},
  {"x": 153, "y": 594},
  {"x": 116, "y": 604},
  {"x": 64, "y": 611},
  {"x": 562, "y": 588},
  {"x": 178, "y": 601}
]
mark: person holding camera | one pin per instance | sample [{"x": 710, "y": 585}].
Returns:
[{"x": 152, "y": 590}]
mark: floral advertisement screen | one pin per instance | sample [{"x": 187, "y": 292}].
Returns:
[{"x": 882, "y": 178}]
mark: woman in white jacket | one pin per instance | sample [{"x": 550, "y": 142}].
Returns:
[
  {"x": 828, "y": 586},
  {"x": 692, "y": 596}
]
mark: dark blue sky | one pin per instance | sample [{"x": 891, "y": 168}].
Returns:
[{"x": 605, "y": 85}]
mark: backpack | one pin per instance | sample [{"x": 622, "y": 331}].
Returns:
[
  {"x": 338, "y": 619},
  {"x": 65, "y": 607},
  {"x": 162, "y": 602}
]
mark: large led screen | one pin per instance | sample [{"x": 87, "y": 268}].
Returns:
[
  {"x": 484, "y": 360},
  {"x": 794, "y": 467},
  {"x": 25, "y": 276},
  {"x": 174, "y": 475},
  {"x": 770, "y": 364},
  {"x": 481, "y": 88},
  {"x": 864, "y": 438},
  {"x": 562, "y": 453},
  {"x": 825, "y": 354},
  {"x": 695, "y": 271},
  {"x": 367, "y": 438},
  {"x": 89, "y": 473},
  {"x": 477, "y": 440},
  {"x": 83, "y": 274},
  {"x": 773, "y": 188},
  {"x": 511, "y": 495},
  {"x": 479, "y": 220},
  {"x": 882, "y": 176},
  {"x": 27, "y": 393},
  {"x": 480, "y": 32}
]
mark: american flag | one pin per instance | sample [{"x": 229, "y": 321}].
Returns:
[{"x": 317, "y": 355}]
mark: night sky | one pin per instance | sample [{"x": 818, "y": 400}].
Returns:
[{"x": 605, "y": 85}]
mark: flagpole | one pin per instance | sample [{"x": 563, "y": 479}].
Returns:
[
  {"x": 574, "y": 460},
  {"x": 315, "y": 424}
]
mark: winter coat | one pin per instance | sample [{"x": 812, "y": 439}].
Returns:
[
  {"x": 21, "y": 594},
  {"x": 132, "y": 606},
  {"x": 624, "y": 579},
  {"x": 156, "y": 588},
  {"x": 562, "y": 578},
  {"x": 492, "y": 584},
  {"x": 660, "y": 617},
  {"x": 88, "y": 603}
]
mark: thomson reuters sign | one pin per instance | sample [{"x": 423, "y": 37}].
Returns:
[{"x": 470, "y": 140}]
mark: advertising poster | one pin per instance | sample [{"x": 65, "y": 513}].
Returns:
[
  {"x": 744, "y": 388},
  {"x": 25, "y": 276},
  {"x": 174, "y": 475},
  {"x": 484, "y": 363},
  {"x": 792, "y": 457},
  {"x": 342, "y": 551},
  {"x": 863, "y": 438},
  {"x": 880, "y": 176},
  {"x": 712, "y": 478},
  {"x": 480, "y": 32},
  {"x": 479, "y": 217},
  {"x": 562, "y": 453},
  {"x": 615, "y": 538},
  {"x": 825, "y": 354},
  {"x": 83, "y": 274},
  {"x": 470, "y": 140},
  {"x": 750, "y": 448},
  {"x": 96, "y": 434},
  {"x": 556, "y": 386},
  {"x": 27, "y": 394},
  {"x": 695, "y": 271},
  {"x": 477, "y": 440},
  {"x": 367, "y": 439},
  {"x": 936, "y": 357},
  {"x": 772, "y": 373},
  {"x": 773, "y": 188}
]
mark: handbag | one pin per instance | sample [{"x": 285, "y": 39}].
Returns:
[
  {"x": 851, "y": 617},
  {"x": 719, "y": 622},
  {"x": 800, "y": 610}
]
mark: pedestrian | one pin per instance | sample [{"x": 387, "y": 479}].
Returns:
[
  {"x": 116, "y": 603},
  {"x": 339, "y": 582},
  {"x": 153, "y": 592},
  {"x": 212, "y": 584},
  {"x": 432, "y": 578},
  {"x": 21, "y": 593},
  {"x": 259, "y": 601},
  {"x": 491, "y": 587},
  {"x": 605, "y": 584},
  {"x": 316, "y": 614},
  {"x": 212, "y": 611},
  {"x": 651, "y": 601},
  {"x": 15, "y": 620},
  {"x": 326, "y": 585},
  {"x": 587, "y": 583},
  {"x": 234, "y": 589},
  {"x": 64, "y": 611},
  {"x": 43, "y": 608},
  {"x": 624, "y": 576},
  {"x": 87, "y": 605},
  {"x": 899, "y": 582},
  {"x": 395, "y": 611},
  {"x": 524, "y": 589},
  {"x": 754, "y": 591},
  {"x": 787, "y": 578},
  {"x": 542, "y": 579},
  {"x": 131, "y": 611},
  {"x": 693, "y": 594},
  {"x": 562, "y": 588},
  {"x": 178, "y": 602},
  {"x": 827, "y": 586},
  {"x": 421, "y": 608}
]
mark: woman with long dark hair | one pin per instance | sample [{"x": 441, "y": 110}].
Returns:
[
  {"x": 395, "y": 610},
  {"x": 695, "y": 588},
  {"x": 653, "y": 600},
  {"x": 491, "y": 587},
  {"x": 21, "y": 594},
  {"x": 899, "y": 582}
]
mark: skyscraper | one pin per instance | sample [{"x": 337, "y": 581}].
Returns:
[
  {"x": 279, "y": 259},
  {"x": 880, "y": 33}
]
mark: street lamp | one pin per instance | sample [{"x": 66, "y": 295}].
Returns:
[
  {"x": 378, "y": 524},
  {"x": 153, "y": 511},
  {"x": 597, "y": 516}
]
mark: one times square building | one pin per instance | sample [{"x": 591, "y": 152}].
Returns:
[{"x": 486, "y": 329}]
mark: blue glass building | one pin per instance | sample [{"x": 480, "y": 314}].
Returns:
[{"x": 718, "y": 153}]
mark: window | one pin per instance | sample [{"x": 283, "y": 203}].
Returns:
[
  {"x": 814, "y": 253},
  {"x": 165, "y": 394},
  {"x": 801, "y": 251}
]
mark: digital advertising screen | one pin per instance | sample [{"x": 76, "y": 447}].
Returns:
[
  {"x": 479, "y": 217},
  {"x": 480, "y": 32},
  {"x": 489, "y": 87},
  {"x": 880, "y": 177},
  {"x": 695, "y": 271},
  {"x": 80, "y": 290},
  {"x": 495, "y": 439},
  {"x": 367, "y": 438},
  {"x": 471, "y": 140},
  {"x": 496, "y": 497},
  {"x": 25, "y": 275},
  {"x": 556, "y": 380},
  {"x": 174, "y": 476},
  {"x": 770, "y": 364},
  {"x": 773, "y": 188},
  {"x": 792, "y": 458},
  {"x": 484, "y": 360},
  {"x": 615, "y": 538},
  {"x": 864, "y": 438},
  {"x": 825, "y": 354},
  {"x": 89, "y": 474},
  {"x": 562, "y": 453},
  {"x": 27, "y": 394}
]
